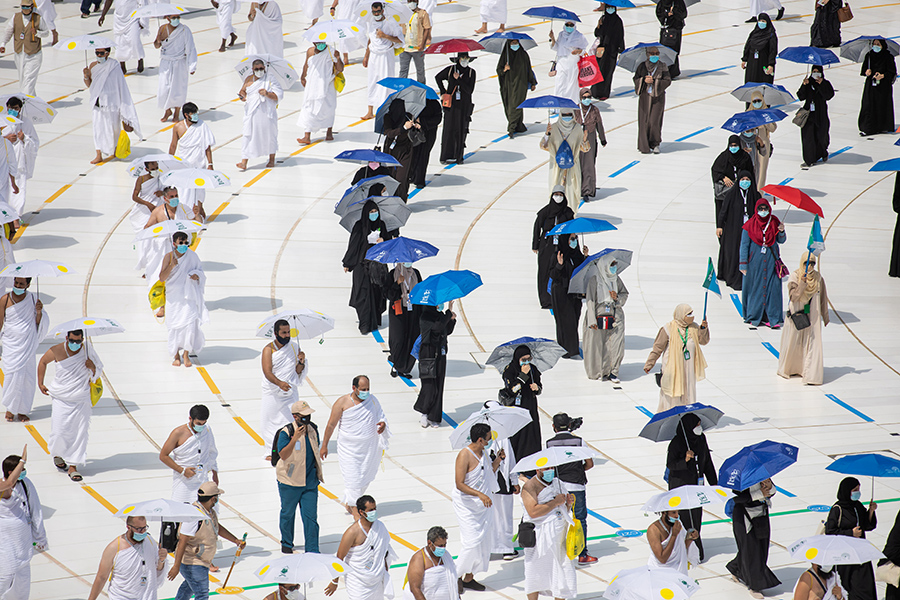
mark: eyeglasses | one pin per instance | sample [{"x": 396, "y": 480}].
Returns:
[{"x": 138, "y": 529}]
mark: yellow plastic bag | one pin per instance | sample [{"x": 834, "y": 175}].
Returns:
[
  {"x": 574, "y": 538},
  {"x": 339, "y": 82},
  {"x": 96, "y": 391},
  {"x": 157, "y": 295},
  {"x": 123, "y": 147}
]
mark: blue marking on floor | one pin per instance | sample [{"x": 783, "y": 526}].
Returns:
[
  {"x": 771, "y": 349},
  {"x": 465, "y": 157},
  {"x": 708, "y": 72},
  {"x": 836, "y": 152},
  {"x": 502, "y": 137},
  {"x": 452, "y": 423},
  {"x": 859, "y": 414},
  {"x": 690, "y": 135},
  {"x": 377, "y": 335},
  {"x": 737, "y": 304},
  {"x": 644, "y": 410},
  {"x": 786, "y": 181},
  {"x": 580, "y": 204},
  {"x": 625, "y": 93},
  {"x": 416, "y": 191},
  {"x": 405, "y": 380},
  {"x": 625, "y": 168},
  {"x": 785, "y": 492},
  {"x": 597, "y": 515}
]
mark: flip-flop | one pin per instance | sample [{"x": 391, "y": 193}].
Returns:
[
  {"x": 60, "y": 463},
  {"x": 75, "y": 476}
]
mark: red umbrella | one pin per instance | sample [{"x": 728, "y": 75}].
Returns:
[
  {"x": 794, "y": 197},
  {"x": 453, "y": 46}
]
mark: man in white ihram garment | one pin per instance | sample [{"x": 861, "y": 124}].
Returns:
[
  {"x": 190, "y": 451},
  {"x": 346, "y": 10},
  {"x": 26, "y": 29},
  {"x": 193, "y": 141},
  {"x": 568, "y": 45},
  {"x": 6, "y": 258},
  {"x": 25, "y": 142},
  {"x": 261, "y": 95},
  {"x": 24, "y": 324},
  {"x": 362, "y": 439},
  {"x": 380, "y": 61},
  {"x": 127, "y": 31},
  {"x": 319, "y": 96},
  {"x": 431, "y": 574},
  {"x": 177, "y": 60},
  {"x": 132, "y": 563},
  {"x": 185, "y": 305},
  {"x": 225, "y": 9},
  {"x": 145, "y": 197},
  {"x": 475, "y": 478},
  {"x": 765, "y": 6},
  {"x": 8, "y": 171},
  {"x": 47, "y": 11},
  {"x": 111, "y": 104},
  {"x": 366, "y": 548},
  {"x": 669, "y": 543},
  {"x": 548, "y": 570},
  {"x": 264, "y": 34},
  {"x": 313, "y": 9},
  {"x": 21, "y": 529},
  {"x": 492, "y": 11},
  {"x": 70, "y": 395},
  {"x": 284, "y": 371}
]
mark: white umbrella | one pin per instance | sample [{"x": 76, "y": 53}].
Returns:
[
  {"x": 392, "y": 10},
  {"x": 279, "y": 68},
  {"x": 505, "y": 421},
  {"x": 34, "y": 109},
  {"x": 90, "y": 326},
  {"x": 7, "y": 119},
  {"x": 85, "y": 42},
  {"x": 687, "y": 497},
  {"x": 305, "y": 323},
  {"x": 645, "y": 583},
  {"x": 302, "y": 568},
  {"x": 163, "y": 510},
  {"x": 36, "y": 268},
  {"x": 168, "y": 229},
  {"x": 834, "y": 550},
  {"x": 167, "y": 162},
  {"x": 7, "y": 213},
  {"x": 157, "y": 10},
  {"x": 207, "y": 179},
  {"x": 338, "y": 30},
  {"x": 553, "y": 457}
]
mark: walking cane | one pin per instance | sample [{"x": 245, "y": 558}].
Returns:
[{"x": 232, "y": 590}]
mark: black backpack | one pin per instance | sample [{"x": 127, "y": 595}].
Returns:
[{"x": 290, "y": 431}]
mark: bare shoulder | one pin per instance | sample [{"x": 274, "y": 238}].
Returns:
[
  {"x": 310, "y": 51},
  {"x": 530, "y": 487},
  {"x": 343, "y": 403},
  {"x": 57, "y": 351},
  {"x": 180, "y": 128},
  {"x": 180, "y": 434}
]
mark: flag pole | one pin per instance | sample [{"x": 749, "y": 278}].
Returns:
[{"x": 705, "y": 301}]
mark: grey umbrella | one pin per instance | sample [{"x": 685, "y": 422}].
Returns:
[
  {"x": 581, "y": 275},
  {"x": 393, "y": 211},
  {"x": 632, "y": 57},
  {"x": 360, "y": 191}
]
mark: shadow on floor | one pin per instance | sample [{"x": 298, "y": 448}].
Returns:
[
  {"x": 398, "y": 507},
  {"x": 832, "y": 374},
  {"x": 45, "y": 241},
  {"x": 225, "y": 355},
  {"x": 243, "y": 304}
]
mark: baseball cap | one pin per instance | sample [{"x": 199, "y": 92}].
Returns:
[
  {"x": 301, "y": 407},
  {"x": 210, "y": 489}
]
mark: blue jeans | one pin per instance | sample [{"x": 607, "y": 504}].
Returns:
[
  {"x": 307, "y": 498},
  {"x": 196, "y": 582},
  {"x": 581, "y": 514},
  {"x": 86, "y": 6}
]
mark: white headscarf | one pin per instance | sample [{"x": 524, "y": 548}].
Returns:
[{"x": 606, "y": 280}]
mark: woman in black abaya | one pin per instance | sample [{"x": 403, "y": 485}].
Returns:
[
  {"x": 726, "y": 168},
  {"x": 815, "y": 91},
  {"x": 457, "y": 80},
  {"x": 849, "y": 517},
  {"x": 760, "y": 52},
  {"x": 892, "y": 553},
  {"x": 688, "y": 460},
  {"x": 737, "y": 206},
  {"x": 826, "y": 28},
  {"x": 610, "y": 34},
  {"x": 397, "y": 123},
  {"x": 876, "y": 115},
  {"x": 566, "y": 306},
  {"x": 403, "y": 318},
  {"x": 429, "y": 120},
  {"x": 750, "y": 525},
  {"x": 894, "y": 269},
  {"x": 367, "y": 296},
  {"x": 671, "y": 15},
  {"x": 522, "y": 382},
  {"x": 516, "y": 77},
  {"x": 555, "y": 212},
  {"x": 434, "y": 326}
]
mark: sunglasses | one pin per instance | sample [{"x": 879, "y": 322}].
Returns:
[{"x": 138, "y": 529}]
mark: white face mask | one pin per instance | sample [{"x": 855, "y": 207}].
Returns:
[
  {"x": 293, "y": 594},
  {"x": 101, "y": 59},
  {"x": 464, "y": 62},
  {"x": 698, "y": 430},
  {"x": 259, "y": 73},
  {"x": 558, "y": 198}
]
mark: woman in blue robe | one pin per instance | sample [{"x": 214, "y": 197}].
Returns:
[{"x": 761, "y": 289}]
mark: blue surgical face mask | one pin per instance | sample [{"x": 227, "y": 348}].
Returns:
[
  {"x": 181, "y": 248},
  {"x": 193, "y": 118},
  {"x": 407, "y": 265},
  {"x": 586, "y": 101},
  {"x": 138, "y": 537},
  {"x": 745, "y": 184},
  {"x": 610, "y": 10},
  {"x": 373, "y": 216},
  {"x": 548, "y": 475},
  {"x": 673, "y": 520},
  {"x": 175, "y": 22},
  {"x": 22, "y": 475},
  {"x": 761, "y": 24},
  {"x": 855, "y": 496},
  {"x": 569, "y": 28},
  {"x": 439, "y": 551},
  {"x": 763, "y": 213},
  {"x": 372, "y": 515},
  {"x": 734, "y": 149},
  {"x": 748, "y": 134},
  {"x": 573, "y": 244},
  {"x": 567, "y": 118},
  {"x": 12, "y": 112},
  {"x": 199, "y": 428},
  {"x": 757, "y": 104},
  {"x": 613, "y": 269},
  {"x": 524, "y": 362},
  {"x": 513, "y": 47},
  {"x": 18, "y": 291},
  {"x": 654, "y": 59},
  {"x": 321, "y": 46},
  {"x": 489, "y": 444},
  {"x": 74, "y": 346},
  {"x": 363, "y": 395},
  {"x": 173, "y": 202},
  {"x": 876, "y": 48}
]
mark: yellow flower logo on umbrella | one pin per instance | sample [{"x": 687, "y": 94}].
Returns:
[
  {"x": 71, "y": 45},
  {"x": 200, "y": 181},
  {"x": 666, "y": 594},
  {"x": 337, "y": 567},
  {"x": 542, "y": 461},
  {"x": 675, "y": 501},
  {"x": 62, "y": 269},
  {"x": 811, "y": 553},
  {"x": 90, "y": 322}
]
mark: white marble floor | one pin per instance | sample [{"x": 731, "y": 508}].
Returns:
[{"x": 274, "y": 243}]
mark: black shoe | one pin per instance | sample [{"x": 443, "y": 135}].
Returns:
[
  {"x": 751, "y": 20},
  {"x": 699, "y": 544},
  {"x": 406, "y": 375},
  {"x": 473, "y": 585},
  {"x": 511, "y": 555},
  {"x": 780, "y": 14},
  {"x": 394, "y": 373},
  {"x": 287, "y": 550}
]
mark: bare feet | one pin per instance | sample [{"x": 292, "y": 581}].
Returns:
[
  {"x": 502, "y": 28},
  {"x": 161, "y": 312},
  {"x": 187, "y": 360},
  {"x": 368, "y": 115},
  {"x": 55, "y": 38},
  {"x": 166, "y": 115},
  {"x": 482, "y": 29},
  {"x": 177, "y": 114},
  {"x": 329, "y": 135},
  {"x": 222, "y": 47},
  {"x": 242, "y": 165},
  {"x": 10, "y": 417},
  {"x": 213, "y": 569},
  {"x": 23, "y": 418},
  {"x": 305, "y": 140},
  {"x": 140, "y": 65},
  {"x": 97, "y": 159},
  {"x": 177, "y": 361},
  {"x": 271, "y": 162},
  {"x": 233, "y": 39}
]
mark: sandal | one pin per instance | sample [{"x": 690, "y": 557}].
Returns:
[
  {"x": 60, "y": 463},
  {"x": 75, "y": 476}
]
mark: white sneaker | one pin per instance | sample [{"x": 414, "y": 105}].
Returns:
[
  {"x": 424, "y": 421},
  {"x": 433, "y": 424},
  {"x": 614, "y": 379},
  {"x": 655, "y": 150}
]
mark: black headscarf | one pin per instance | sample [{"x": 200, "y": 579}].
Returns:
[
  {"x": 728, "y": 164},
  {"x": 760, "y": 37},
  {"x": 553, "y": 208},
  {"x": 513, "y": 369},
  {"x": 881, "y": 62},
  {"x": 684, "y": 435},
  {"x": 369, "y": 225},
  {"x": 748, "y": 202},
  {"x": 396, "y": 114},
  {"x": 892, "y": 545},
  {"x": 520, "y": 351},
  {"x": 844, "y": 490}
]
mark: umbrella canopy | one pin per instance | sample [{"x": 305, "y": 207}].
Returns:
[
  {"x": 582, "y": 273},
  {"x": 553, "y": 457},
  {"x": 34, "y": 109},
  {"x": 399, "y": 84},
  {"x": 90, "y": 326},
  {"x": 86, "y": 42},
  {"x": 548, "y": 102},
  {"x": 360, "y": 191},
  {"x": 645, "y": 583},
  {"x": 809, "y": 55},
  {"x": 413, "y": 94},
  {"x": 662, "y": 426},
  {"x": 393, "y": 211},
  {"x": 392, "y": 9},
  {"x": 305, "y": 323},
  {"x": 497, "y": 41},
  {"x": 794, "y": 197},
  {"x": 162, "y": 509},
  {"x": 834, "y": 550},
  {"x": 401, "y": 250},
  {"x": 686, "y": 2},
  {"x": 453, "y": 46},
  {"x": 158, "y": 10},
  {"x": 773, "y": 95},
  {"x": 444, "y": 287},
  {"x": 366, "y": 155},
  {"x": 338, "y": 30},
  {"x": 618, "y": 3},
  {"x": 892, "y": 164},
  {"x": 581, "y": 225},
  {"x": 544, "y": 353},
  {"x": 279, "y": 68},
  {"x": 36, "y": 268},
  {"x": 756, "y": 463},
  {"x": 168, "y": 229},
  {"x": 632, "y": 57},
  {"x": 505, "y": 422},
  {"x": 867, "y": 465},
  {"x": 196, "y": 178},
  {"x": 7, "y": 119},
  {"x": 857, "y": 49},
  {"x": 167, "y": 162},
  {"x": 751, "y": 119},
  {"x": 8, "y": 214},
  {"x": 305, "y": 567},
  {"x": 552, "y": 13},
  {"x": 687, "y": 497}
]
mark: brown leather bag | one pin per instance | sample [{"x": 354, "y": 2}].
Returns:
[
  {"x": 446, "y": 100},
  {"x": 844, "y": 13}
]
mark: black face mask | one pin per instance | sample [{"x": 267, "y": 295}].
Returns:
[
  {"x": 304, "y": 419},
  {"x": 283, "y": 340}
]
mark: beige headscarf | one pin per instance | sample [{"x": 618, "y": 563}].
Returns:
[
  {"x": 409, "y": 282},
  {"x": 812, "y": 277},
  {"x": 672, "y": 382},
  {"x": 757, "y": 96}
]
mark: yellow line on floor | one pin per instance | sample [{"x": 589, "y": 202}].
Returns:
[
  {"x": 212, "y": 385},
  {"x": 327, "y": 494},
  {"x": 37, "y": 436},
  {"x": 257, "y": 178},
  {"x": 696, "y": 32},
  {"x": 57, "y": 193},
  {"x": 96, "y": 495},
  {"x": 305, "y": 148},
  {"x": 217, "y": 212},
  {"x": 19, "y": 233},
  {"x": 249, "y": 430},
  {"x": 882, "y": 5},
  {"x": 2, "y": 377},
  {"x": 399, "y": 539}
]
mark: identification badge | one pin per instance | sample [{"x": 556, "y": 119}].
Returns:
[
  {"x": 21, "y": 36},
  {"x": 687, "y": 354},
  {"x": 555, "y": 240},
  {"x": 143, "y": 581},
  {"x": 457, "y": 95},
  {"x": 756, "y": 54},
  {"x": 763, "y": 251}
]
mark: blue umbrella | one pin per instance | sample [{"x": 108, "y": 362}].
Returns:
[
  {"x": 618, "y": 3},
  {"x": 582, "y": 225},
  {"x": 888, "y": 165},
  {"x": 809, "y": 55},
  {"x": 756, "y": 463},
  {"x": 752, "y": 119},
  {"x": 410, "y": 91},
  {"x": 552, "y": 12},
  {"x": 857, "y": 49},
  {"x": 773, "y": 95},
  {"x": 444, "y": 287},
  {"x": 365, "y": 155},
  {"x": 548, "y": 102},
  {"x": 632, "y": 57},
  {"x": 360, "y": 191},
  {"x": 401, "y": 83},
  {"x": 866, "y": 465},
  {"x": 662, "y": 426},
  {"x": 400, "y": 250},
  {"x": 582, "y": 273},
  {"x": 496, "y": 42},
  {"x": 897, "y": 143},
  {"x": 544, "y": 353}
]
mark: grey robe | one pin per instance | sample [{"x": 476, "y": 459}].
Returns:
[
  {"x": 603, "y": 348},
  {"x": 651, "y": 103}
]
